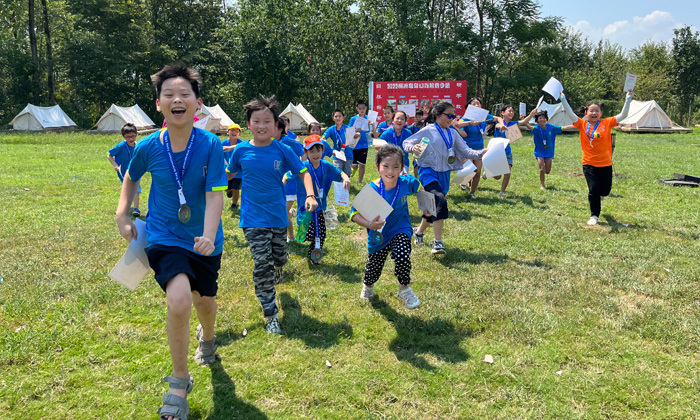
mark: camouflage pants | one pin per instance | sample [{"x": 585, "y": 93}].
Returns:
[{"x": 268, "y": 247}]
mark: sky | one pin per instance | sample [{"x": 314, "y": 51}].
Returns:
[{"x": 628, "y": 23}]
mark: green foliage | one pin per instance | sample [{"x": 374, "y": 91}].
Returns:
[{"x": 686, "y": 66}]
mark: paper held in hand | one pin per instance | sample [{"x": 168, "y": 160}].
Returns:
[
  {"x": 339, "y": 154},
  {"x": 630, "y": 82},
  {"x": 372, "y": 116},
  {"x": 133, "y": 267},
  {"x": 513, "y": 133},
  {"x": 426, "y": 202},
  {"x": 350, "y": 140},
  {"x": 409, "y": 109},
  {"x": 342, "y": 196},
  {"x": 494, "y": 160},
  {"x": 554, "y": 88},
  {"x": 523, "y": 109},
  {"x": 474, "y": 113},
  {"x": 370, "y": 204},
  {"x": 378, "y": 142},
  {"x": 361, "y": 124},
  {"x": 465, "y": 174}
]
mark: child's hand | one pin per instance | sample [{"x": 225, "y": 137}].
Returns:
[
  {"x": 311, "y": 203},
  {"x": 416, "y": 149},
  {"x": 116, "y": 168},
  {"x": 127, "y": 228},
  {"x": 501, "y": 127},
  {"x": 346, "y": 183},
  {"x": 377, "y": 223},
  {"x": 483, "y": 151},
  {"x": 203, "y": 245}
]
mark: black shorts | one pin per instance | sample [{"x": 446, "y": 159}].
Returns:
[
  {"x": 234, "y": 183},
  {"x": 359, "y": 156},
  {"x": 169, "y": 261},
  {"x": 440, "y": 202}
]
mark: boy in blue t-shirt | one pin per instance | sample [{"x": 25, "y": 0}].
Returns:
[
  {"x": 234, "y": 185},
  {"x": 263, "y": 162},
  {"x": 359, "y": 152},
  {"x": 185, "y": 236},
  {"x": 544, "y": 137},
  {"x": 290, "y": 188},
  {"x": 120, "y": 157},
  {"x": 342, "y": 156}
]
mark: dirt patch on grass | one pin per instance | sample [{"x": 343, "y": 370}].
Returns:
[{"x": 575, "y": 174}]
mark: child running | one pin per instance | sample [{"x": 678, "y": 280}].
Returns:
[
  {"x": 234, "y": 185},
  {"x": 336, "y": 134},
  {"x": 442, "y": 155},
  {"x": 185, "y": 236},
  {"x": 263, "y": 162},
  {"x": 290, "y": 187},
  {"x": 395, "y": 230},
  {"x": 323, "y": 175},
  {"x": 397, "y": 134},
  {"x": 359, "y": 152},
  {"x": 544, "y": 137},
  {"x": 315, "y": 128},
  {"x": 596, "y": 145},
  {"x": 388, "y": 113},
  {"x": 120, "y": 157},
  {"x": 507, "y": 113}
]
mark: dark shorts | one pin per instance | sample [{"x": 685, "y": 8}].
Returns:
[
  {"x": 359, "y": 156},
  {"x": 235, "y": 183},
  {"x": 169, "y": 261},
  {"x": 440, "y": 202}
]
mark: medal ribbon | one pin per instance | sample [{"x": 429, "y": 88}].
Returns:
[
  {"x": 341, "y": 142},
  {"x": 589, "y": 133},
  {"x": 399, "y": 140},
  {"x": 315, "y": 177},
  {"x": 178, "y": 176},
  {"x": 449, "y": 143}
]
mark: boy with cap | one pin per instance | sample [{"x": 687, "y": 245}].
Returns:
[{"x": 234, "y": 185}]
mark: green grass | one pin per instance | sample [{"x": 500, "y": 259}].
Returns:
[{"x": 613, "y": 307}]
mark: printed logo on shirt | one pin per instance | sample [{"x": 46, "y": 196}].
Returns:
[
  {"x": 602, "y": 129},
  {"x": 403, "y": 200},
  {"x": 205, "y": 171},
  {"x": 278, "y": 164}
]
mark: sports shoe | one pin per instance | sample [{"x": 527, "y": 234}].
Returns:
[
  {"x": 409, "y": 298},
  {"x": 418, "y": 237},
  {"x": 367, "y": 292},
  {"x": 229, "y": 193},
  {"x": 593, "y": 221},
  {"x": 502, "y": 194},
  {"x": 463, "y": 187},
  {"x": 483, "y": 176},
  {"x": 279, "y": 275},
  {"x": 543, "y": 187},
  {"x": 438, "y": 248},
  {"x": 472, "y": 195},
  {"x": 273, "y": 326},
  {"x": 233, "y": 206},
  {"x": 137, "y": 212}
]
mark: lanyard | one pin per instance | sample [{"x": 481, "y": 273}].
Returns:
[
  {"x": 130, "y": 152},
  {"x": 590, "y": 134},
  {"x": 449, "y": 143},
  {"x": 178, "y": 176},
  {"x": 315, "y": 177},
  {"x": 396, "y": 192},
  {"x": 341, "y": 141},
  {"x": 399, "y": 140}
]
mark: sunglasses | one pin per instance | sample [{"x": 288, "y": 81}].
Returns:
[{"x": 450, "y": 116}]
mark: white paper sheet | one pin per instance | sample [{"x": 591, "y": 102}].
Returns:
[
  {"x": 133, "y": 266},
  {"x": 540, "y": 102},
  {"x": 409, "y": 109},
  {"x": 202, "y": 123},
  {"x": 494, "y": 160},
  {"x": 342, "y": 196},
  {"x": 426, "y": 201},
  {"x": 372, "y": 116},
  {"x": 523, "y": 109},
  {"x": 370, "y": 204},
  {"x": 339, "y": 155},
  {"x": 554, "y": 88},
  {"x": 474, "y": 113},
  {"x": 465, "y": 174},
  {"x": 630, "y": 82},
  {"x": 350, "y": 140},
  {"x": 361, "y": 124},
  {"x": 513, "y": 133},
  {"x": 379, "y": 142}
]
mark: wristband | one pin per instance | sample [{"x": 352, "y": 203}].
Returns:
[{"x": 311, "y": 195}]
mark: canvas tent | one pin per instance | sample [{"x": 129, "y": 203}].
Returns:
[
  {"x": 299, "y": 117},
  {"x": 556, "y": 114},
  {"x": 117, "y": 116},
  {"x": 37, "y": 118},
  {"x": 648, "y": 117},
  {"x": 216, "y": 112}
]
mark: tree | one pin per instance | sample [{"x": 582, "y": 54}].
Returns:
[{"x": 686, "y": 67}]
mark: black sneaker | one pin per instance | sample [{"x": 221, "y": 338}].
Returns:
[{"x": 418, "y": 237}]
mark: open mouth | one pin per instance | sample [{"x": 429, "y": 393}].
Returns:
[{"x": 178, "y": 112}]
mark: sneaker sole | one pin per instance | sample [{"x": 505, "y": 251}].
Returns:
[{"x": 438, "y": 251}]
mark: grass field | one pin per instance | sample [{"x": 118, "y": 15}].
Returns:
[{"x": 582, "y": 322}]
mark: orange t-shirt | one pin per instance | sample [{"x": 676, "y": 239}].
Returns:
[{"x": 599, "y": 151}]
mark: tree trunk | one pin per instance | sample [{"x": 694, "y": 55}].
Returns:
[
  {"x": 35, "y": 55},
  {"x": 49, "y": 53}
]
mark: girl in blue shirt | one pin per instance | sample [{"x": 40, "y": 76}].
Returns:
[
  {"x": 396, "y": 230},
  {"x": 397, "y": 134},
  {"x": 315, "y": 128},
  {"x": 507, "y": 113},
  {"x": 336, "y": 135},
  {"x": 388, "y": 113},
  {"x": 544, "y": 138}
]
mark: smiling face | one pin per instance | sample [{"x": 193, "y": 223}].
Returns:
[
  {"x": 315, "y": 154},
  {"x": 315, "y": 129},
  {"x": 387, "y": 114},
  {"x": 178, "y": 102},
  {"x": 399, "y": 121},
  {"x": 508, "y": 113},
  {"x": 475, "y": 103},
  {"x": 594, "y": 113},
  {"x": 390, "y": 169},
  {"x": 542, "y": 120},
  {"x": 130, "y": 139},
  {"x": 361, "y": 109},
  {"x": 338, "y": 118},
  {"x": 262, "y": 124},
  {"x": 443, "y": 119}
]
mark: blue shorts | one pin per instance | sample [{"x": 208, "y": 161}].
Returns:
[
  {"x": 169, "y": 261},
  {"x": 509, "y": 156}
]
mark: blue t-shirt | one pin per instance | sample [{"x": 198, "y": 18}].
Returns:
[
  {"x": 545, "y": 139},
  {"x": 426, "y": 175},
  {"x": 398, "y": 220},
  {"x": 263, "y": 202},
  {"x": 383, "y": 126},
  {"x": 338, "y": 139},
  {"x": 291, "y": 135},
  {"x": 205, "y": 172},
  {"x": 413, "y": 128},
  {"x": 502, "y": 134},
  {"x": 227, "y": 155},
  {"x": 122, "y": 154},
  {"x": 391, "y": 137},
  {"x": 331, "y": 174},
  {"x": 475, "y": 133},
  {"x": 298, "y": 149},
  {"x": 363, "y": 142}
]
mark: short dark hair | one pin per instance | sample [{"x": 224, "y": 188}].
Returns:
[
  {"x": 390, "y": 108},
  {"x": 129, "y": 128},
  {"x": 281, "y": 125},
  {"x": 359, "y": 102},
  {"x": 311, "y": 126},
  {"x": 505, "y": 108},
  {"x": 419, "y": 112},
  {"x": 405, "y": 116},
  {"x": 338, "y": 110},
  {"x": 437, "y": 109},
  {"x": 541, "y": 114},
  {"x": 387, "y": 151},
  {"x": 171, "y": 71},
  {"x": 321, "y": 146},
  {"x": 261, "y": 103}
]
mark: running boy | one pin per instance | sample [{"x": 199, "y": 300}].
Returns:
[
  {"x": 120, "y": 157},
  {"x": 185, "y": 237},
  {"x": 263, "y": 162},
  {"x": 336, "y": 134},
  {"x": 359, "y": 152},
  {"x": 234, "y": 185}
]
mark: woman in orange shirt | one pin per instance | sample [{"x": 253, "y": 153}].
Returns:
[{"x": 596, "y": 145}]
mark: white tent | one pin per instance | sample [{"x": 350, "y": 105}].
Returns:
[
  {"x": 299, "y": 117},
  {"x": 648, "y": 116},
  {"x": 556, "y": 114},
  {"x": 117, "y": 116},
  {"x": 216, "y": 112},
  {"x": 37, "y": 118}
]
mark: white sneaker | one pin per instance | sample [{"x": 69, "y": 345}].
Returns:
[
  {"x": 409, "y": 298},
  {"x": 543, "y": 188},
  {"x": 502, "y": 194},
  {"x": 367, "y": 292},
  {"x": 593, "y": 221},
  {"x": 472, "y": 195}
]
